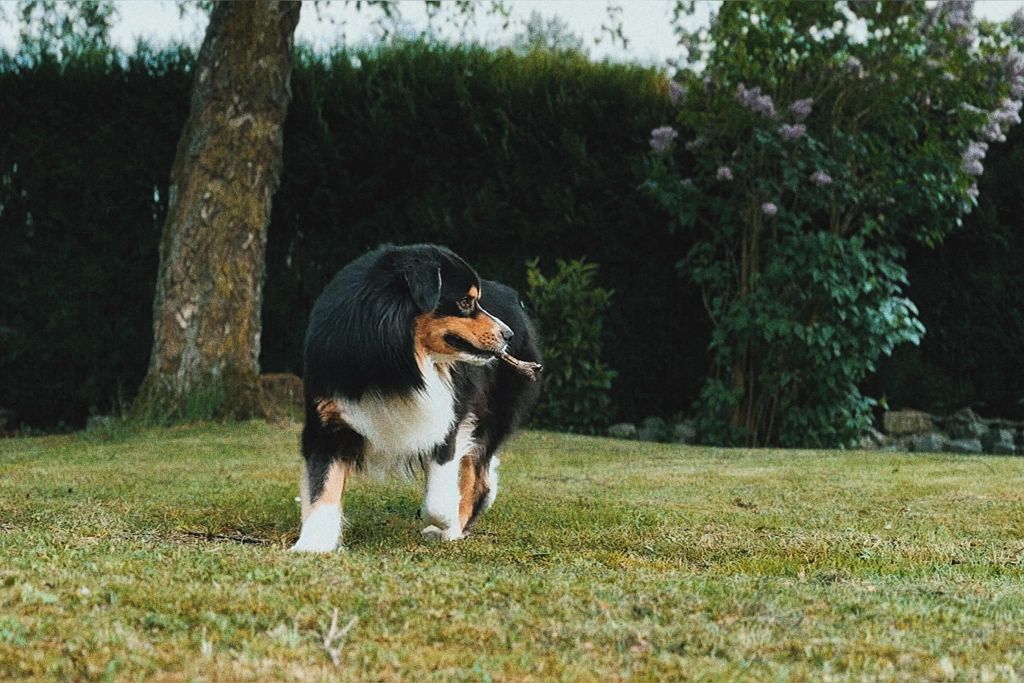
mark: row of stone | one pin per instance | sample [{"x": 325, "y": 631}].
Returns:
[
  {"x": 904, "y": 430},
  {"x": 962, "y": 432},
  {"x": 655, "y": 429}
]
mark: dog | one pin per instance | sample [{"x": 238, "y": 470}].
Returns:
[{"x": 400, "y": 374}]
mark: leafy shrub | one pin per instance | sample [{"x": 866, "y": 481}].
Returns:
[
  {"x": 568, "y": 308},
  {"x": 813, "y": 153}
]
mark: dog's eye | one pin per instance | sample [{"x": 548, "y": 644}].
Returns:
[{"x": 465, "y": 304}]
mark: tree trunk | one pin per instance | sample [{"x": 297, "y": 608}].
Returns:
[{"x": 206, "y": 312}]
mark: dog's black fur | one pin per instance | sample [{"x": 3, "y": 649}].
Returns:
[{"x": 364, "y": 339}]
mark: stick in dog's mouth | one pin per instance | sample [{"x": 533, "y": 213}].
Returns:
[{"x": 527, "y": 369}]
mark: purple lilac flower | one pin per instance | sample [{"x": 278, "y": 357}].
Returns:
[
  {"x": 821, "y": 179},
  {"x": 1015, "y": 68},
  {"x": 1008, "y": 113},
  {"x": 959, "y": 13},
  {"x": 792, "y": 132},
  {"x": 676, "y": 93},
  {"x": 724, "y": 173},
  {"x": 695, "y": 144},
  {"x": 992, "y": 132},
  {"x": 1001, "y": 120},
  {"x": 971, "y": 162},
  {"x": 769, "y": 209},
  {"x": 801, "y": 109},
  {"x": 754, "y": 100},
  {"x": 661, "y": 138},
  {"x": 972, "y": 191}
]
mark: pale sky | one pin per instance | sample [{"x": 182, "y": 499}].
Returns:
[{"x": 645, "y": 23}]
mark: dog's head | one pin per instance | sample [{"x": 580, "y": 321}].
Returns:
[{"x": 452, "y": 324}]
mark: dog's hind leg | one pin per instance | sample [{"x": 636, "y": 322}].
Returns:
[{"x": 329, "y": 454}]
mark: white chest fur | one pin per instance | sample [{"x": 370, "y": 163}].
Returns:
[{"x": 399, "y": 429}]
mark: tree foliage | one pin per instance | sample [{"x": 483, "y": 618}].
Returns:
[
  {"x": 817, "y": 142},
  {"x": 48, "y": 29}
]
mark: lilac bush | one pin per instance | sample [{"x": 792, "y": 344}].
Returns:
[{"x": 818, "y": 139}]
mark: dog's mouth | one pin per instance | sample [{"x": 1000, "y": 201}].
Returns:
[{"x": 460, "y": 344}]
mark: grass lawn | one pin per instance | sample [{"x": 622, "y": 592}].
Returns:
[{"x": 161, "y": 555}]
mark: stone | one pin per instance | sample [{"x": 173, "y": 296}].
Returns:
[
  {"x": 94, "y": 422},
  {"x": 873, "y": 440},
  {"x": 684, "y": 432},
  {"x": 999, "y": 441},
  {"x": 622, "y": 430},
  {"x": 965, "y": 424},
  {"x": 928, "y": 443},
  {"x": 969, "y": 446},
  {"x": 904, "y": 422},
  {"x": 1002, "y": 448},
  {"x": 653, "y": 429}
]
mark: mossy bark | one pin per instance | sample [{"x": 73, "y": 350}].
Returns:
[{"x": 206, "y": 312}]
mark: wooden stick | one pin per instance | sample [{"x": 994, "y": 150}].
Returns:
[{"x": 530, "y": 371}]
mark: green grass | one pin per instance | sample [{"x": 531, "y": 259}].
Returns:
[{"x": 161, "y": 555}]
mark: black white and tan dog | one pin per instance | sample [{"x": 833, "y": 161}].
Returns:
[{"x": 402, "y": 372}]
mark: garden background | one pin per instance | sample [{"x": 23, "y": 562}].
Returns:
[{"x": 505, "y": 155}]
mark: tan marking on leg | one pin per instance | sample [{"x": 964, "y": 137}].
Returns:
[
  {"x": 334, "y": 488},
  {"x": 474, "y": 485},
  {"x": 331, "y": 414},
  {"x": 467, "y": 488}
]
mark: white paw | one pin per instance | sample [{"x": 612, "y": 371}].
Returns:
[
  {"x": 313, "y": 546},
  {"x": 433, "y": 534},
  {"x": 321, "y": 530}
]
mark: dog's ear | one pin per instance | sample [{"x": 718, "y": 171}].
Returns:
[{"x": 424, "y": 280}]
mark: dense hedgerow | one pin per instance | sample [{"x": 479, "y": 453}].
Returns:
[{"x": 503, "y": 157}]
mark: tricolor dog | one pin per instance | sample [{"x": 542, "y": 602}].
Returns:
[{"x": 402, "y": 372}]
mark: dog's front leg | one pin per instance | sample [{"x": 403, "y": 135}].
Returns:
[{"x": 441, "y": 502}]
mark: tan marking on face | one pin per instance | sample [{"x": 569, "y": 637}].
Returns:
[
  {"x": 330, "y": 412},
  {"x": 333, "y": 491},
  {"x": 474, "y": 293},
  {"x": 482, "y": 331}
]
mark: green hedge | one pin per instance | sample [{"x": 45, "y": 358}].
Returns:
[
  {"x": 85, "y": 154},
  {"x": 502, "y": 157},
  {"x": 970, "y": 293}
]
